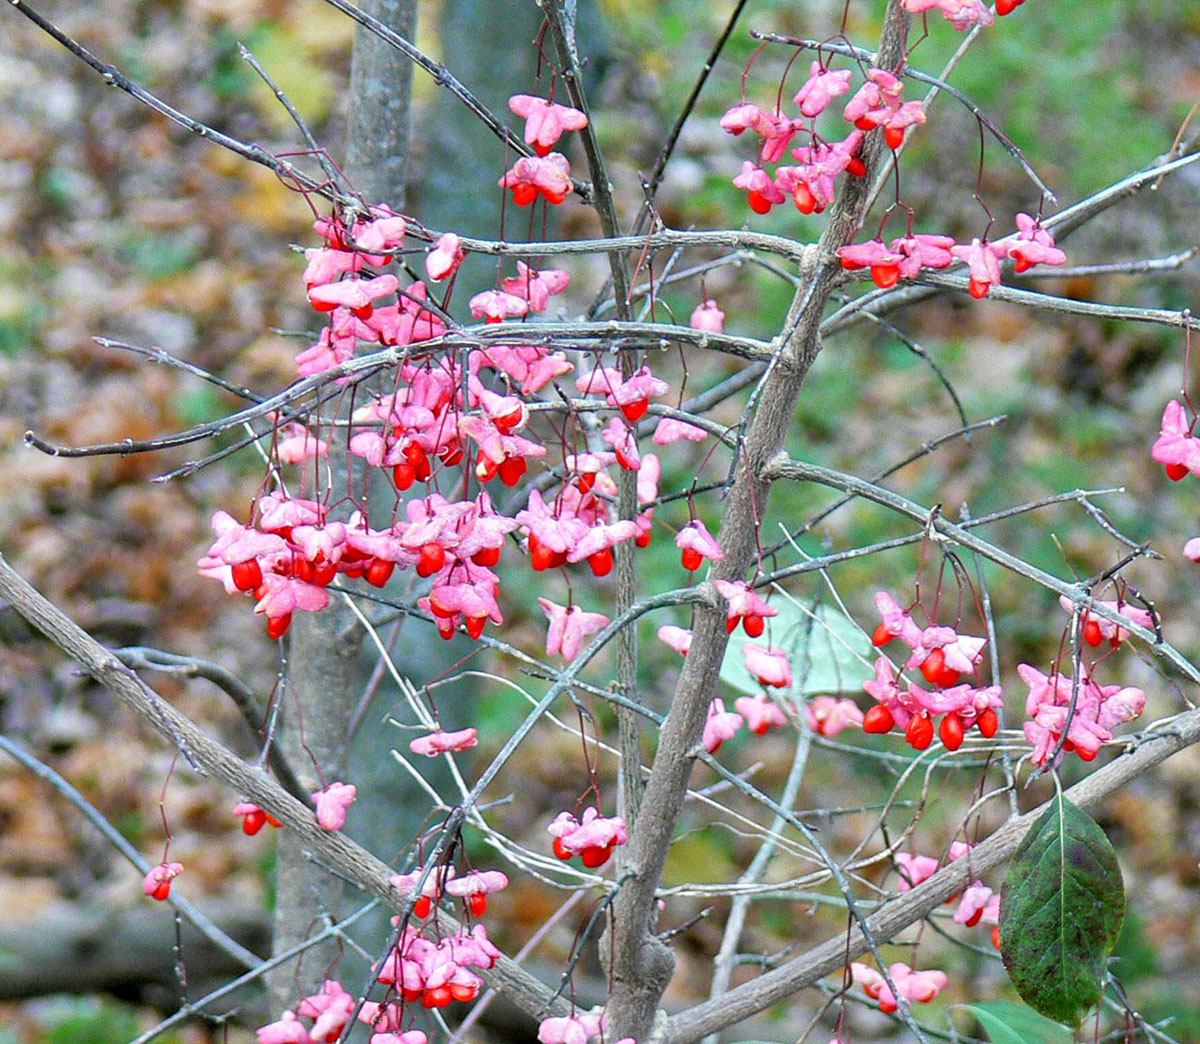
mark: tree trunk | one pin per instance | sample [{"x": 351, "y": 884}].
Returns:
[{"x": 324, "y": 678}]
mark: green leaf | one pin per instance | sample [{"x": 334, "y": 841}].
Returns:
[
  {"x": 1061, "y": 908},
  {"x": 828, "y": 650},
  {"x": 1007, "y": 1022}
]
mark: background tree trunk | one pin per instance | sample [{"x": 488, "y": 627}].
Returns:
[{"x": 325, "y": 680}]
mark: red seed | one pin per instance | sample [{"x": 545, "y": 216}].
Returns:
[
  {"x": 1176, "y": 471},
  {"x": 919, "y": 732},
  {"x": 894, "y": 136},
  {"x": 882, "y": 635},
  {"x": 404, "y": 475},
  {"x": 524, "y": 194},
  {"x": 753, "y": 625},
  {"x": 1092, "y": 633},
  {"x": 805, "y": 201},
  {"x": 422, "y": 906},
  {"x": 601, "y": 562},
  {"x": 951, "y": 731},
  {"x": 885, "y": 275},
  {"x": 324, "y": 573},
  {"x": 477, "y": 903},
  {"x": 277, "y": 625},
  {"x": 635, "y": 410},
  {"x": 560, "y": 851},
  {"x": 878, "y": 719},
  {"x": 512, "y": 470},
  {"x": 247, "y": 575},
  {"x": 979, "y": 289},
  {"x": 438, "y": 997},
  {"x": 643, "y": 538},
  {"x": 486, "y": 557},
  {"x": 691, "y": 559},
  {"x": 475, "y": 625},
  {"x": 253, "y": 822},
  {"x": 433, "y": 557},
  {"x": 463, "y": 991},
  {"x": 758, "y": 202},
  {"x": 988, "y": 723},
  {"x": 596, "y": 856},
  {"x": 379, "y": 572}
]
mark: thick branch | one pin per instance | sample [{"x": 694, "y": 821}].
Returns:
[
  {"x": 209, "y": 757},
  {"x": 641, "y": 963},
  {"x": 752, "y": 997}
]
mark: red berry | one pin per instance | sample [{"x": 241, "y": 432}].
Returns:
[
  {"x": 882, "y": 635},
  {"x": 596, "y": 856},
  {"x": 302, "y": 569},
  {"x": 524, "y": 194},
  {"x": 758, "y": 202},
  {"x": 463, "y": 991},
  {"x": 379, "y": 572},
  {"x": 894, "y": 136},
  {"x": 979, "y": 289},
  {"x": 253, "y": 822},
  {"x": 988, "y": 723},
  {"x": 512, "y": 470},
  {"x": 161, "y": 891},
  {"x": 888, "y": 1007},
  {"x": 1176, "y": 471},
  {"x": 856, "y": 167},
  {"x": 247, "y": 575},
  {"x": 586, "y": 481},
  {"x": 485, "y": 469},
  {"x": 863, "y": 124},
  {"x": 433, "y": 557},
  {"x": 643, "y": 538},
  {"x": 919, "y": 732},
  {"x": 541, "y": 557},
  {"x": 324, "y": 573},
  {"x": 486, "y": 557},
  {"x": 404, "y": 475},
  {"x": 277, "y": 625},
  {"x": 951, "y": 731},
  {"x": 1086, "y": 755},
  {"x": 731, "y": 624},
  {"x": 477, "y": 903},
  {"x": 932, "y": 666},
  {"x": 885, "y": 275},
  {"x": 878, "y": 719},
  {"x": 422, "y": 906},
  {"x": 1004, "y": 7},
  {"x": 635, "y": 410},
  {"x": 475, "y": 625},
  {"x": 601, "y": 562},
  {"x": 446, "y": 628},
  {"x": 1092, "y": 633},
  {"x": 509, "y": 421},
  {"x": 560, "y": 851},
  {"x": 691, "y": 559},
  {"x": 438, "y": 997},
  {"x": 753, "y": 625},
  {"x": 806, "y": 202}
]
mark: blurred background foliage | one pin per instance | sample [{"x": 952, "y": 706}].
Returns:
[{"x": 115, "y": 223}]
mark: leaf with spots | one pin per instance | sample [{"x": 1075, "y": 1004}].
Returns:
[{"x": 1061, "y": 909}]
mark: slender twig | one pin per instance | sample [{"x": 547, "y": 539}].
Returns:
[
  {"x": 140, "y": 657},
  {"x": 115, "y": 78},
  {"x": 94, "y": 816},
  {"x": 869, "y": 57}
]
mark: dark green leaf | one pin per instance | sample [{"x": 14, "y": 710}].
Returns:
[
  {"x": 1007, "y": 1022},
  {"x": 1061, "y": 908}
]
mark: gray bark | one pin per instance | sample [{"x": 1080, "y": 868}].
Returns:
[{"x": 325, "y": 680}]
